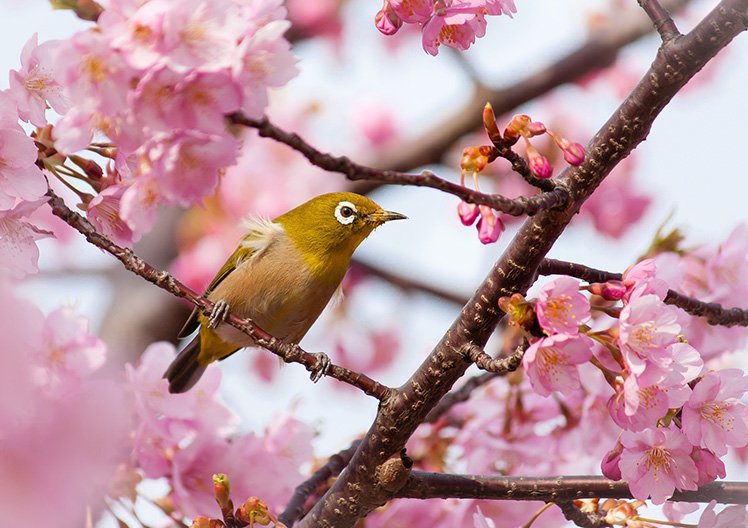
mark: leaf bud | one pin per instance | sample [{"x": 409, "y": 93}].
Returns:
[
  {"x": 222, "y": 491},
  {"x": 489, "y": 123}
]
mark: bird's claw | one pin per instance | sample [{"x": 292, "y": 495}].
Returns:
[
  {"x": 218, "y": 313},
  {"x": 321, "y": 367}
]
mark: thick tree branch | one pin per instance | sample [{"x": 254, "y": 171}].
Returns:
[
  {"x": 715, "y": 314},
  {"x": 288, "y": 352},
  {"x": 558, "y": 197},
  {"x": 426, "y": 485},
  {"x": 357, "y": 491}
]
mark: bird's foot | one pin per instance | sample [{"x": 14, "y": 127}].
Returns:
[
  {"x": 321, "y": 366},
  {"x": 218, "y": 314}
]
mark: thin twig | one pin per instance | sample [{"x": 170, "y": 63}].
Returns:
[
  {"x": 583, "y": 520},
  {"x": 661, "y": 19},
  {"x": 288, "y": 352},
  {"x": 714, "y": 313},
  {"x": 558, "y": 197},
  {"x": 499, "y": 366},
  {"x": 336, "y": 463}
]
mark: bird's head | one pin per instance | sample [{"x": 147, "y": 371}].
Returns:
[{"x": 331, "y": 226}]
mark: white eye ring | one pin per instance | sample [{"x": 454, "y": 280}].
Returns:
[{"x": 345, "y": 213}]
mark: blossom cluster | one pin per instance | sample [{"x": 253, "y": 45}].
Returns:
[
  {"x": 678, "y": 418},
  {"x": 60, "y": 422},
  {"x": 186, "y": 438},
  {"x": 452, "y": 23},
  {"x": 148, "y": 88}
]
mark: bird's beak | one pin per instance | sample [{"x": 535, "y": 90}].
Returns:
[{"x": 380, "y": 217}]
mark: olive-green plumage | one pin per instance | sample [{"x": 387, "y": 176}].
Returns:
[{"x": 281, "y": 276}]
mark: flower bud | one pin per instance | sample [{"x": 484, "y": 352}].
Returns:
[
  {"x": 536, "y": 128},
  {"x": 519, "y": 312},
  {"x": 255, "y": 511},
  {"x": 475, "y": 159},
  {"x": 204, "y": 522},
  {"x": 574, "y": 154},
  {"x": 517, "y": 127},
  {"x": 489, "y": 123},
  {"x": 539, "y": 164},
  {"x": 468, "y": 213},
  {"x": 387, "y": 21},
  {"x": 222, "y": 490},
  {"x": 613, "y": 290},
  {"x": 489, "y": 225}
]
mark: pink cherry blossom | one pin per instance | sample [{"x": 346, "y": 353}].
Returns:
[
  {"x": 647, "y": 328},
  {"x": 35, "y": 83},
  {"x": 187, "y": 164},
  {"x": 261, "y": 61},
  {"x": 105, "y": 215},
  {"x": 709, "y": 466},
  {"x": 20, "y": 178},
  {"x": 413, "y": 11},
  {"x": 642, "y": 278},
  {"x": 611, "y": 463},
  {"x": 727, "y": 270},
  {"x": 561, "y": 308},
  {"x": 550, "y": 362},
  {"x": 19, "y": 254},
  {"x": 730, "y": 516},
  {"x": 656, "y": 462},
  {"x": 140, "y": 202},
  {"x": 714, "y": 416},
  {"x": 69, "y": 352},
  {"x": 636, "y": 408}
]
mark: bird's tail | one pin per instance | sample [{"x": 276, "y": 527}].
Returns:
[{"x": 184, "y": 371}]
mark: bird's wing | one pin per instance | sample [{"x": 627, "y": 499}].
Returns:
[{"x": 259, "y": 236}]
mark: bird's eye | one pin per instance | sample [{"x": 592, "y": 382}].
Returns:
[{"x": 345, "y": 213}]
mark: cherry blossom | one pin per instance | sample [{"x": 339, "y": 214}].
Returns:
[
  {"x": 647, "y": 328},
  {"x": 551, "y": 362},
  {"x": 561, "y": 308},
  {"x": 35, "y": 84},
  {"x": 20, "y": 178},
  {"x": 19, "y": 254},
  {"x": 730, "y": 516},
  {"x": 714, "y": 416},
  {"x": 656, "y": 462}
]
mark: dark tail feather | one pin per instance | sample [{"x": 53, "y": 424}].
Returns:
[{"x": 184, "y": 371}]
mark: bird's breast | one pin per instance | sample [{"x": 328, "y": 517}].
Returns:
[{"x": 277, "y": 290}]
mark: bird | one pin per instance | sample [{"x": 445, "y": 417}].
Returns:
[{"x": 281, "y": 276}]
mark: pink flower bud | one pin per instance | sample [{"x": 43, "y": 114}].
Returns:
[
  {"x": 489, "y": 226},
  {"x": 574, "y": 154},
  {"x": 539, "y": 164},
  {"x": 613, "y": 290},
  {"x": 536, "y": 128},
  {"x": 387, "y": 21},
  {"x": 468, "y": 213}
]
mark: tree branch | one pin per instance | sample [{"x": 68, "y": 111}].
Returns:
[
  {"x": 332, "y": 468},
  {"x": 714, "y": 313},
  {"x": 427, "y": 485},
  {"x": 288, "y": 352},
  {"x": 661, "y": 19},
  {"x": 357, "y": 491},
  {"x": 598, "y": 52},
  {"x": 584, "y": 520},
  {"x": 558, "y": 197},
  {"x": 499, "y": 366}
]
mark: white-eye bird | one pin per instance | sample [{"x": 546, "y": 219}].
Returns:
[{"x": 281, "y": 276}]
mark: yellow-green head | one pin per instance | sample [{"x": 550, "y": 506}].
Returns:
[{"x": 328, "y": 229}]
